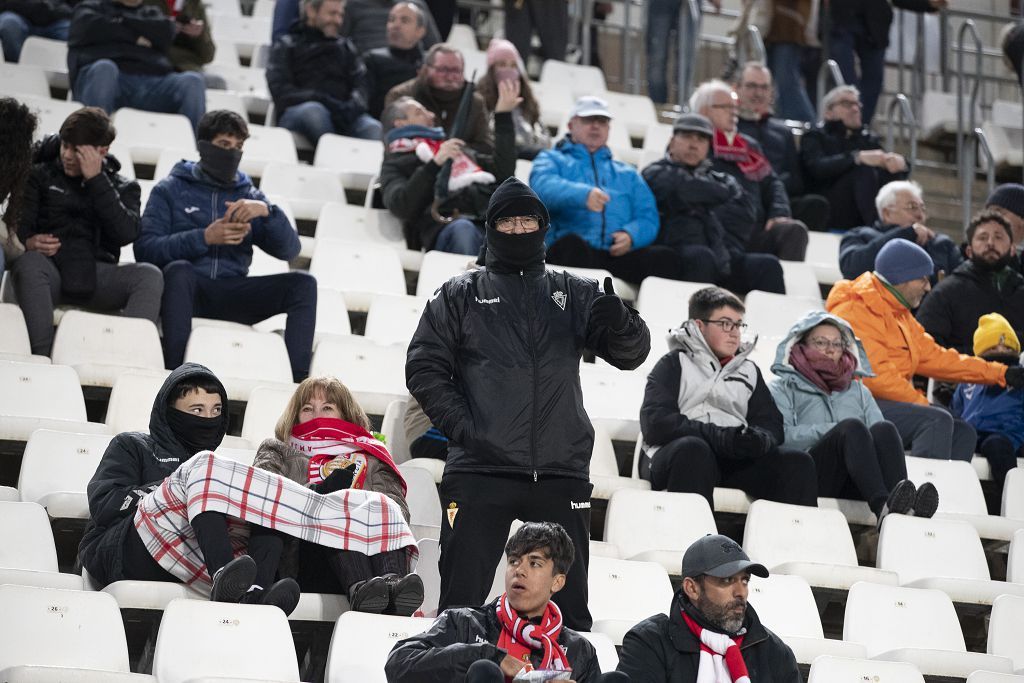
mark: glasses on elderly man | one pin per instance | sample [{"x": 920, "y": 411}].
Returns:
[
  {"x": 525, "y": 223},
  {"x": 827, "y": 344}
]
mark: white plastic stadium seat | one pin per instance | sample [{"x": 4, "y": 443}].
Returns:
[
  {"x": 169, "y": 157},
  {"x": 62, "y": 635},
  {"x": 265, "y": 145},
  {"x": 262, "y": 411},
  {"x": 813, "y": 543},
  {"x": 56, "y": 468},
  {"x": 1005, "y": 628},
  {"x": 27, "y": 553},
  {"x": 636, "y": 112},
  {"x": 827, "y": 669},
  {"x": 101, "y": 347},
  {"x": 422, "y": 497},
  {"x": 331, "y": 316},
  {"x": 1013, "y": 494},
  {"x": 131, "y": 401},
  {"x": 555, "y": 102},
  {"x": 51, "y": 55},
  {"x": 437, "y": 268},
  {"x": 50, "y": 113},
  {"x": 355, "y": 159},
  {"x": 427, "y": 569},
  {"x": 306, "y": 188},
  {"x": 146, "y": 133},
  {"x": 938, "y": 115},
  {"x": 217, "y": 639},
  {"x": 579, "y": 79},
  {"x": 665, "y": 302},
  {"x": 993, "y": 677},
  {"x": 359, "y": 271},
  {"x": 374, "y": 373},
  {"x": 1004, "y": 134},
  {"x": 771, "y": 315},
  {"x": 40, "y": 396},
  {"x": 14, "y": 342},
  {"x": 657, "y": 526},
  {"x": 613, "y": 399},
  {"x": 1015, "y": 561},
  {"x": 823, "y": 256},
  {"x": 223, "y": 99},
  {"x": 889, "y": 621},
  {"x": 393, "y": 319},
  {"x": 624, "y": 593},
  {"x": 607, "y": 656},
  {"x": 393, "y": 429},
  {"x": 23, "y": 79},
  {"x": 800, "y": 280},
  {"x": 241, "y": 359},
  {"x": 604, "y": 469},
  {"x": 361, "y": 644},
  {"x": 245, "y": 32}
]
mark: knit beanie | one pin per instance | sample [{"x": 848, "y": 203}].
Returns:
[
  {"x": 515, "y": 198},
  {"x": 1009, "y": 196},
  {"x": 508, "y": 251},
  {"x": 901, "y": 261},
  {"x": 994, "y": 329},
  {"x": 502, "y": 49}
]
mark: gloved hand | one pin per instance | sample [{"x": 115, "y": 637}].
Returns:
[
  {"x": 337, "y": 480},
  {"x": 1015, "y": 377},
  {"x": 752, "y": 442},
  {"x": 608, "y": 310},
  {"x": 720, "y": 439}
]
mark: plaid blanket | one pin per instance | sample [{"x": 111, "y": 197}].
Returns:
[{"x": 350, "y": 519}]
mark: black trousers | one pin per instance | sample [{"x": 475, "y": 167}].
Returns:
[
  {"x": 478, "y": 511},
  {"x": 688, "y": 465},
  {"x": 812, "y": 210},
  {"x": 787, "y": 239},
  {"x": 549, "y": 19},
  {"x": 851, "y": 197},
  {"x": 860, "y": 462},
  {"x": 1002, "y": 456},
  {"x": 633, "y": 266}
]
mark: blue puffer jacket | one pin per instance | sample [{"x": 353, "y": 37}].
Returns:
[
  {"x": 808, "y": 413},
  {"x": 184, "y": 203},
  {"x": 563, "y": 177},
  {"x": 991, "y": 410}
]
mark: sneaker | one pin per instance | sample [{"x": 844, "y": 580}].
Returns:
[
  {"x": 927, "y": 500},
  {"x": 901, "y": 501},
  {"x": 406, "y": 594},
  {"x": 284, "y": 595},
  {"x": 233, "y": 580},
  {"x": 371, "y": 595}
]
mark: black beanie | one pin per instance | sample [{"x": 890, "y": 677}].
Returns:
[
  {"x": 515, "y": 198},
  {"x": 1009, "y": 196},
  {"x": 507, "y": 251}
]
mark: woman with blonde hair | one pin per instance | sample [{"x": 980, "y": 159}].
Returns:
[{"x": 322, "y": 441}]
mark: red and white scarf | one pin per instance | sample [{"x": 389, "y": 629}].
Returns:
[
  {"x": 754, "y": 165},
  {"x": 332, "y": 443},
  {"x": 519, "y": 636},
  {"x": 720, "y": 658},
  {"x": 465, "y": 171}
]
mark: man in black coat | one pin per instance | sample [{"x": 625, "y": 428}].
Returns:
[
  {"x": 317, "y": 78},
  {"x": 712, "y": 601},
  {"x": 20, "y": 19},
  {"x": 77, "y": 213},
  {"x": 987, "y": 282},
  {"x": 401, "y": 59},
  {"x": 476, "y": 644},
  {"x": 495, "y": 365},
  {"x": 119, "y": 56},
  {"x": 845, "y": 161}
]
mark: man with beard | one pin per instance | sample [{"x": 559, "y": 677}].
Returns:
[
  {"x": 985, "y": 283},
  {"x": 710, "y": 627}
]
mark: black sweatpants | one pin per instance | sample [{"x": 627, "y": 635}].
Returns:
[
  {"x": 860, "y": 462},
  {"x": 688, "y": 465},
  {"x": 1002, "y": 456},
  {"x": 478, "y": 511},
  {"x": 633, "y": 266}
]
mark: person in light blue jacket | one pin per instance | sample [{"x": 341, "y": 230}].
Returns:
[
  {"x": 603, "y": 214},
  {"x": 828, "y": 412}
]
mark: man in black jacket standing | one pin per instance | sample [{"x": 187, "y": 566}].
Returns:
[
  {"x": 712, "y": 604},
  {"x": 119, "y": 56},
  {"x": 495, "y": 365},
  {"x": 77, "y": 213},
  {"x": 317, "y": 79},
  {"x": 401, "y": 58}
]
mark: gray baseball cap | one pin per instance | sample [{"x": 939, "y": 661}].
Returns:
[
  {"x": 718, "y": 556},
  {"x": 693, "y": 123}
]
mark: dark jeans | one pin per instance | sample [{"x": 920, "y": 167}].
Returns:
[
  {"x": 860, "y": 462},
  {"x": 755, "y": 271},
  {"x": 662, "y": 19},
  {"x": 812, "y": 210},
  {"x": 1002, "y": 456},
  {"x": 784, "y": 60},
  {"x": 851, "y": 198},
  {"x": 549, "y": 19},
  {"x": 246, "y": 300},
  {"x": 15, "y": 30},
  {"x": 633, "y": 267},
  {"x": 688, "y": 465},
  {"x": 930, "y": 431},
  {"x": 698, "y": 263},
  {"x": 480, "y": 509},
  {"x": 787, "y": 239},
  {"x": 847, "y": 41}
]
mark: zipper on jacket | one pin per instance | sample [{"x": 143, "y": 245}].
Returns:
[
  {"x": 533, "y": 355},
  {"x": 597, "y": 184}
]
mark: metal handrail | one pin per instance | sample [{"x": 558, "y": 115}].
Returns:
[
  {"x": 907, "y": 119},
  {"x": 829, "y": 67},
  {"x": 965, "y": 167},
  {"x": 744, "y": 43},
  {"x": 990, "y": 162}
]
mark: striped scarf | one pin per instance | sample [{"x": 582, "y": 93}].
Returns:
[
  {"x": 520, "y": 636},
  {"x": 331, "y": 443},
  {"x": 720, "y": 658}
]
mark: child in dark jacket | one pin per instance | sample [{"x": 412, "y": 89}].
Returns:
[{"x": 996, "y": 413}]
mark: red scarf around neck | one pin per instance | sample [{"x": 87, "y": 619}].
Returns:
[
  {"x": 327, "y": 438},
  {"x": 519, "y": 636},
  {"x": 823, "y": 372},
  {"x": 718, "y": 646},
  {"x": 753, "y": 164}
]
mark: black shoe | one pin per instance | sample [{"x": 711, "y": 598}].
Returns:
[
  {"x": 233, "y": 580},
  {"x": 927, "y": 501},
  {"x": 901, "y": 501},
  {"x": 370, "y": 596},
  {"x": 284, "y": 595},
  {"x": 406, "y": 594}
]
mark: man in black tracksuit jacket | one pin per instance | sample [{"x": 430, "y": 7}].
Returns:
[{"x": 495, "y": 365}]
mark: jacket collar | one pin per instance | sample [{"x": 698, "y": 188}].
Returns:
[
  {"x": 575, "y": 149},
  {"x": 684, "y": 640}
]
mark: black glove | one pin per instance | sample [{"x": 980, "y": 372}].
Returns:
[
  {"x": 337, "y": 480},
  {"x": 1015, "y": 377},
  {"x": 752, "y": 442},
  {"x": 720, "y": 439},
  {"x": 608, "y": 310}
]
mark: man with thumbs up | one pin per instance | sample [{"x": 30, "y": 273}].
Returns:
[{"x": 495, "y": 365}]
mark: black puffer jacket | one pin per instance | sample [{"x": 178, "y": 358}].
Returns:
[
  {"x": 767, "y": 197},
  {"x": 386, "y": 67},
  {"x": 307, "y": 66},
  {"x": 662, "y": 649},
  {"x": 39, "y": 12},
  {"x": 459, "y": 637},
  {"x": 827, "y": 151},
  {"x": 134, "y": 464},
  {"x": 104, "y": 29},
  {"x": 776, "y": 139},
  {"x": 495, "y": 365}
]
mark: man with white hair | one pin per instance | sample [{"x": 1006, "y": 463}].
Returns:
[
  {"x": 902, "y": 214},
  {"x": 844, "y": 160},
  {"x": 773, "y": 230}
]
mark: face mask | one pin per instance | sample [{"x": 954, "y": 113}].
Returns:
[
  {"x": 1004, "y": 358},
  {"x": 196, "y": 433},
  {"x": 506, "y": 73},
  {"x": 219, "y": 163},
  {"x": 516, "y": 251},
  {"x": 995, "y": 267}
]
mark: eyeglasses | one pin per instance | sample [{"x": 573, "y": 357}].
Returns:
[
  {"x": 447, "y": 70},
  {"x": 726, "y": 324},
  {"x": 757, "y": 86},
  {"x": 513, "y": 222},
  {"x": 730, "y": 105},
  {"x": 847, "y": 104},
  {"x": 914, "y": 206},
  {"x": 826, "y": 344}
]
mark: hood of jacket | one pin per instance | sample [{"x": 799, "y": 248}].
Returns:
[
  {"x": 159, "y": 428},
  {"x": 688, "y": 339},
  {"x": 782, "y": 364}
]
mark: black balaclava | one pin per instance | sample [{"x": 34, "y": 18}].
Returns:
[
  {"x": 219, "y": 163},
  {"x": 197, "y": 433},
  {"x": 508, "y": 251}
]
